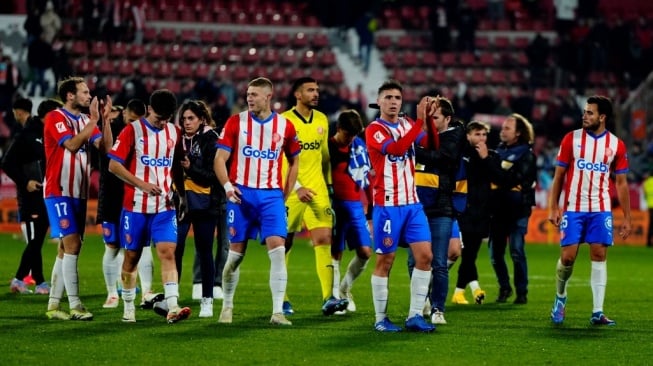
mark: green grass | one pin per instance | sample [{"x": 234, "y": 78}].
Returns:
[{"x": 493, "y": 334}]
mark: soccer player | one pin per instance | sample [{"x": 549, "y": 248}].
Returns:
[
  {"x": 586, "y": 158},
  {"x": 398, "y": 215},
  {"x": 254, "y": 141},
  {"x": 66, "y": 137},
  {"x": 24, "y": 163},
  {"x": 350, "y": 173},
  {"x": 110, "y": 199},
  {"x": 309, "y": 202},
  {"x": 147, "y": 157}
]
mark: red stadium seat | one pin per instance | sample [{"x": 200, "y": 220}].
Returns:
[
  {"x": 400, "y": 75},
  {"x": 188, "y": 36},
  {"x": 233, "y": 55},
  {"x": 155, "y": 52},
  {"x": 174, "y": 52},
  {"x": 125, "y": 68},
  {"x": 320, "y": 40},
  {"x": 336, "y": 76},
  {"x": 281, "y": 40},
  {"x": 327, "y": 58},
  {"x": 183, "y": 70},
  {"x": 223, "y": 38},
  {"x": 167, "y": 35},
  {"x": 201, "y": 71},
  {"x": 467, "y": 59},
  {"x": 99, "y": 49},
  {"x": 389, "y": 60},
  {"x": 419, "y": 77},
  {"x": 262, "y": 39},
  {"x": 149, "y": 35},
  {"x": 213, "y": 54},
  {"x": 242, "y": 39},
  {"x": 487, "y": 59},
  {"x": 308, "y": 59},
  {"x": 163, "y": 69},
  {"x": 118, "y": 50},
  {"x": 439, "y": 76},
  {"x": 429, "y": 59},
  {"x": 383, "y": 42},
  {"x": 78, "y": 48},
  {"x": 193, "y": 53},
  {"x": 288, "y": 58},
  {"x": 408, "y": 58},
  {"x": 206, "y": 36},
  {"x": 270, "y": 56},
  {"x": 300, "y": 40},
  {"x": 85, "y": 66},
  {"x": 448, "y": 59},
  {"x": 145, "y": 68},
  {"x": 136, "y": 51},
  {"x": 250, "y": 56},
  {"x": 105, "y": 67},
  {"x": 114, "y": 85}
]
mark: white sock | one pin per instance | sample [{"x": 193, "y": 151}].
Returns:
[
  {"x": 354, "y": 269},
  {"x": 458, "y": 289},
  {"x": 145, "y": 270},
  {"x": 335, "y": 289},
  {"x": 598, "y": 281},
  {"x": 128, "y": 295},
  {"x": 230, "y": 277},
  {"x": 474, "y": 286},
  {"x": 419, "y": 289},
  {"x": 563, "y": 273},
  {"x": 70, "y": 279},
  {"x": 111, "y": 269},
  {"x": 278, "y": 277},
  {"x": 380, "y": 296},
  {"x": 57, "y": 285},
  {"x": 171, "y": 291}
]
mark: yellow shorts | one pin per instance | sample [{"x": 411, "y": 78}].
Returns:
[{"x": 314, "y": 214}]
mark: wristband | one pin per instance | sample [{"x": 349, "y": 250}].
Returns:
[
  {"x": 228, "y": 187},
  {"x": 297, "y": 185}
]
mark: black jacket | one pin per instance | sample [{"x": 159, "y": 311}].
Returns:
[
  {"x": 112, "y": 188},
  {"x": 201, "y": 149},
  {"x": 443, "y": 162},
  {"x": 476, "y": 217},
  {"x": 25, "y": 161},
  {"x": 514, "y": 173}
]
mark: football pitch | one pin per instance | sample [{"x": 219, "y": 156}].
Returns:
[{"x": 488, "y": 334}]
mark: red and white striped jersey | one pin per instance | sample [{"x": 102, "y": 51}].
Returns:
[
  {"x": 394, "y": 180},
  {"x": 67, "y": 173},
  {"x": 256, "y": 148},
  {"x": 589, "y": 159},
  {"x": 148, "y": 153}
]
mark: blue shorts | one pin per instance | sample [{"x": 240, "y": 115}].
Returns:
[
  {"x": 400, "y": 224},
  {"x": 67, "y": 216},
  {"x": 109, "y": 232},
  {"x": 351, "y": 226},
  {"x": 260, "y": 211},
  {"x": 455, "y": 230},
  {"x": 586, "y": 227},
  {"x": 138, "y": 229}
]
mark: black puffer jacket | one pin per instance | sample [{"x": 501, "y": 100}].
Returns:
[
  {"x": 514, "y": 173},
  {"x": 476, "y": 217},
  {"x": 25, "y": 161}
]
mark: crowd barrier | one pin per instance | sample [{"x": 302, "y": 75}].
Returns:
[{"x": 540, "y": 231}]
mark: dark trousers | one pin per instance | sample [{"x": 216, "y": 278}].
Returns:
[
  {"x": 467, "y": 271},
  {"x": 32, "y": 259},
  {"x": 203, "y": 231},
  {"x": 222, "y": 241},
  {"x": 512, "y": 233}
]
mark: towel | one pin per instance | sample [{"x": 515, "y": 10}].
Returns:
[{"x": 359, "y": 163}]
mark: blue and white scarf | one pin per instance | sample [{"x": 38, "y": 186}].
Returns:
[{"x": 359, "y": 163}]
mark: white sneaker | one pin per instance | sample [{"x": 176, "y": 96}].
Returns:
[
  {"x": 426, "y": 310},
  {"x": 226, "y": 315},
  {"x": 112, "y": 302},
  {"x": 206, "y": 307},
  {"x": 197, "y": 291},
  {"x": 129, "y": 314},
  {"x": 279, "y": 319},
  {"x": 438, "y": 317},
  {"x": 218, "y": 294}
]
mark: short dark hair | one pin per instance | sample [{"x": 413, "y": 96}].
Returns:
[
  {"x": 164, "y": 103},
  {"x": 137, "y": 106},
  {"x": 350, "y": 121},
  {"x": 604, "y": 105},
  {"x": 68, "y": 85},
  {"x": 47, "y": 106},
  {"x": 477, "y": 125},
  {"x": 23, "y": 104},
  {"x": 446, "y": 107},
  {"x": 301, "y": 81},
  {"x": 389, "y": 85}
]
